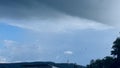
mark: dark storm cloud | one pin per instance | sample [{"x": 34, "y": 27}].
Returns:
[
  {"x": 11, "y": 8},
  {"x": 22, "y": 9},
  {"x": 105, "y": 11}
]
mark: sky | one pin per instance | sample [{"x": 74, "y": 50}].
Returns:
[{"x": 57, "y": 30}]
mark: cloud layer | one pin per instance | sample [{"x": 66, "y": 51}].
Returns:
[
  {"x": 39, "y": 16},
  {"x": 104, "y": 11}
]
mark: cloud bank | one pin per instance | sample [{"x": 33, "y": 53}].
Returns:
[
  {"x": 41, "y": 16},
  {"x": 104, "y": 11}
]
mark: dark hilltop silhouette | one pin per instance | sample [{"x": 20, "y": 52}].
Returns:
[{"x": 40, "y": 65}]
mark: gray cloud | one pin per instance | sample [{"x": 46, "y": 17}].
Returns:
[
  {"x": 105, "y": 11},
  {"x": 24, "y": 9},
  {"x": 75, "y": 13}
]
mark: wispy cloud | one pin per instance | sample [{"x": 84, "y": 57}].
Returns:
[
  {"x": 14, "y": 51},
  {"x": 9, "y": 42},
  {"x": 63, "y": 24}
]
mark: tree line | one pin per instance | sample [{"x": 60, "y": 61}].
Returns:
[{"x": 108, "y": 61}]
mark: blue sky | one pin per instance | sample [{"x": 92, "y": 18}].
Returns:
[
  {"x": 84, "y": 45},
  {"x": 10, "y": 32},
  {"x": 34, "y": 30}
]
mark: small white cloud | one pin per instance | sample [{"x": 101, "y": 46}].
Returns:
[{"x": 68, "y": 52}]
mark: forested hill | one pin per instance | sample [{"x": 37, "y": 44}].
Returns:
[{"x": 40, "y": 65}]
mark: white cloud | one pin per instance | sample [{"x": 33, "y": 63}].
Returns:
[
  {"x": 61, "y": 24},
  {"x": 68, "y": 52}
]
